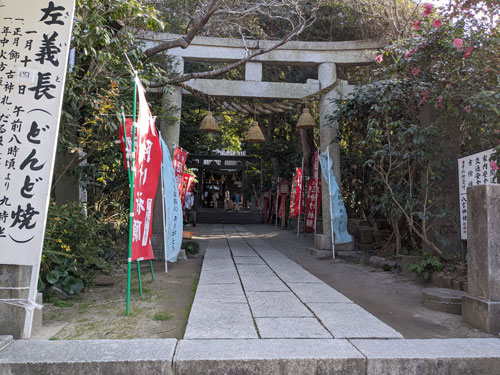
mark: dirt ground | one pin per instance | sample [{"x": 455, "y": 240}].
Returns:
[
  {"x": 163, "y": 310},
  {"x": 99, "y": 313}
]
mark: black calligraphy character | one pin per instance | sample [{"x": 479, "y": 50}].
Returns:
[
  {"x": 8, "y": 87},
  {"x": 27, "y": 188},
  {"x": 26, "y": 60},
  {"x": 17, "y": 31},
  {"x": 2, "y": 66},
  {"x": 2, "y": 55},
  {"x": 21, "y": 89},
  {"x": 4, "y": 201},
  {"x": 10, "y": 74},
  {"x": 6, "y": 30},
  {"x": 14, "y": 55},
  {"x": 6, "y": 100},
  {"x": 13, "y": 150},
  {"x": 32, "y": 161},
  {"x": 51, "y": 11},
  {"x": 33, "y": 133},
  {"x": 29, "y": 44},
  {"x": 17, "y": 110},
  {"x": 16, "y": 125},
  {"x": 23, "y": 218},
  {"x": 4, "y": 41},
  {"x": 16, "y": 42},
  {"x": 48, "y": 50},
  {"x": 3, "y": 216},
  {"x": 10, "y": 163},
  {"x": 14, "y": 138},
  {"x": 2, "y": 232},
  {"x": 43, "y": 86}
]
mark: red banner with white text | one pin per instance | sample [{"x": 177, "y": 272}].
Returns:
[
  {"x": 148, "y": 156},
  {"x": 313, "y": 203},
  {"x": 295, "y": 200},
  {"x": 187, "y": 180}
]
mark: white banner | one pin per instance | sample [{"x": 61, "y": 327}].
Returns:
[
  {"x": 473, "y": 170},
  {"x": 34, "y": 46}
]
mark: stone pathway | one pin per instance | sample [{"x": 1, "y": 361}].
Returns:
[{"x": 248, "y": 290}]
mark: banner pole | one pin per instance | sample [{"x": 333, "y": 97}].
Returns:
[
  {"x": 139, "y": 277},
  {"x": 152, "y": 270},
  {"x": 277, "y": 199},
  {"x": 164, "y": 212},
  {"x": 331, "y": 198},
  {"x": 131, "y": 215},
  {"x": 316, "y": 184},
  {"x": 127, "y": 151}
]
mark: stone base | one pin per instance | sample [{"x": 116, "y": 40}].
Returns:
[
  {"x": 37, "y": 316},
  {"x": 324, "y": 242},
  {"x": 319, "y": 254},
  {"x": 442, "y": 299},
  {"x": 481, "y": 313}
]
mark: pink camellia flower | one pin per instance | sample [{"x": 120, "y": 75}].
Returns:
[
  {"x": 467, "y": 109},
  {"x": 427, "y": 9},
  {"x": 494, "y": 166},
  {"x": 437, "y": 23},
  {"x": 458, "y": 43},
  {"x": 416, "y": 25},
  {"x": 470, "y": 49},
  {"x": 467, "y": 55},
  {"x": 415, "y": 71},
  {"x": 407, "y": 54},
  {"x": 379, "y": 59}
]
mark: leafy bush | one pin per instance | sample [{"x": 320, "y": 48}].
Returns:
[
  {"x": 75, "y": 246},
  {"x": 425, "y": 267},
  {"x": 191, "y": 247}
]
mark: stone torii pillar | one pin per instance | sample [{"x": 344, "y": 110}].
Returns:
[{"x": 327, "y": 75}]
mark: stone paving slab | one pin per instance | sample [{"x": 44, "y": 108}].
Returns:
[
  {"x": 5, "y": 340},
  {"x": 219, "y": 277},
  {"x": 297, "y": 357},
  {"x": 291, "y": 328},
  {"x": 88, "y": 357},
  {"x": 317, "y": 292},
  {"x": 431, "y": 356},
  {"x": 276, "y": 305},
  {"x": 255, "y": 270},
  {"x": 229, "y": 293},
  {"x": 297, "y": 276},
  {"x": 249, "y": 260},
  {"x": 243, "y": 252},
  {"x": 348, "y": 320},
  {"x": 215, "y": 320},
  {"x": 271, "y": 283}
]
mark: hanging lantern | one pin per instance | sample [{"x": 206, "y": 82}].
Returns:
[
  {"x": 305, "y": 120},
  {"x": 223, "y": 178},
  {"x": 254, "y": 134},
  {"x": 208, "y": 124},
  {"x": 233, "y": 178},
  {"x": 211, "y": 178}
]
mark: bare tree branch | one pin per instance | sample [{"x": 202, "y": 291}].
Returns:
[{"x": 184, "y": 41}]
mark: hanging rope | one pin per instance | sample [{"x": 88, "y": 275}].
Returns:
[{"x": 241, "y": 106}]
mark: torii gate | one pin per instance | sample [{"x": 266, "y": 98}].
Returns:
[{"x": 323, "y": 55}]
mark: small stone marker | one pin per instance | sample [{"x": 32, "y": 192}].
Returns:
[{"x": 482, "y": 307}]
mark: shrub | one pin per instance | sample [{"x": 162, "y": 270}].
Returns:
[
  {"x": 191, "y": 247},
  {"x": 75, "y": 246}
]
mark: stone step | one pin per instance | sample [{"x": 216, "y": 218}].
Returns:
[
  {"x": 5, "y": 340},
  {"x": 443, "y": 299},
  {"x": 319, "y": 254},
  {"x": 253, "y": 356}
]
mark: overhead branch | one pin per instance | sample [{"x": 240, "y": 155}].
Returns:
[{"x": 185, "y": 40}]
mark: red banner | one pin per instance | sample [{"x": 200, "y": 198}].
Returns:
[
  {"x": 187, "y": 180},
  {"x": 295, "y": 199},
  {"x": 313, "y": 203},
  {"x": 179, "y": 160},
  {"x": 147, "y": 166}
]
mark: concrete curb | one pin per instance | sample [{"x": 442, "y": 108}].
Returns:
[{"x": 253, "y": 356}]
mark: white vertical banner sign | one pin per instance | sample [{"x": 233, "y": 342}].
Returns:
[
  {"x": 34, "y": 45},
  {"x": 473, "y": 170}
]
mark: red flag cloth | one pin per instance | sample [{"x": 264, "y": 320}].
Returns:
[
  {"x": 296, "y": 201},
  {"x": 179, "y": 160},
  {"x": 186, "y": 180},
  {"x": 148, "y": 157},
  {"x": 312, "y": 204}
]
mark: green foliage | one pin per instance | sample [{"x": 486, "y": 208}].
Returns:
[
  {"x": 75, "y": 246},
  {"x": 191, "y": 247},
  {"x": 62, "y": 303},
  {"x": 163, "y": 316},
  {"x": 426, "y": 266}
]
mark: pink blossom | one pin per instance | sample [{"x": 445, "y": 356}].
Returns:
[
  {"x": 494, "y": 166},
  {"x": 470, "y": 49},
  {"x": 458, "y": 43},
  {"x": 467, "y": 55},
  {"x": 424, "y": 93},
  {"x": 415, "y": 71},
  {"x": 379, "y": 59},
  {"x": 467, "y": 109},
  {"x": 407, "y": 54},
  {"x": 496, "y": 131},
  {"x": 437, "y": 23},
  {"x": 427, "y": 9},
  {"x": 416, "y": 25}
]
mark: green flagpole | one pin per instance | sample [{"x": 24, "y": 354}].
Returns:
[
  {"x": 131, "y": 215},
  {"x": 139, "y": 277},
  {"x": 152, "y": 271}
]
